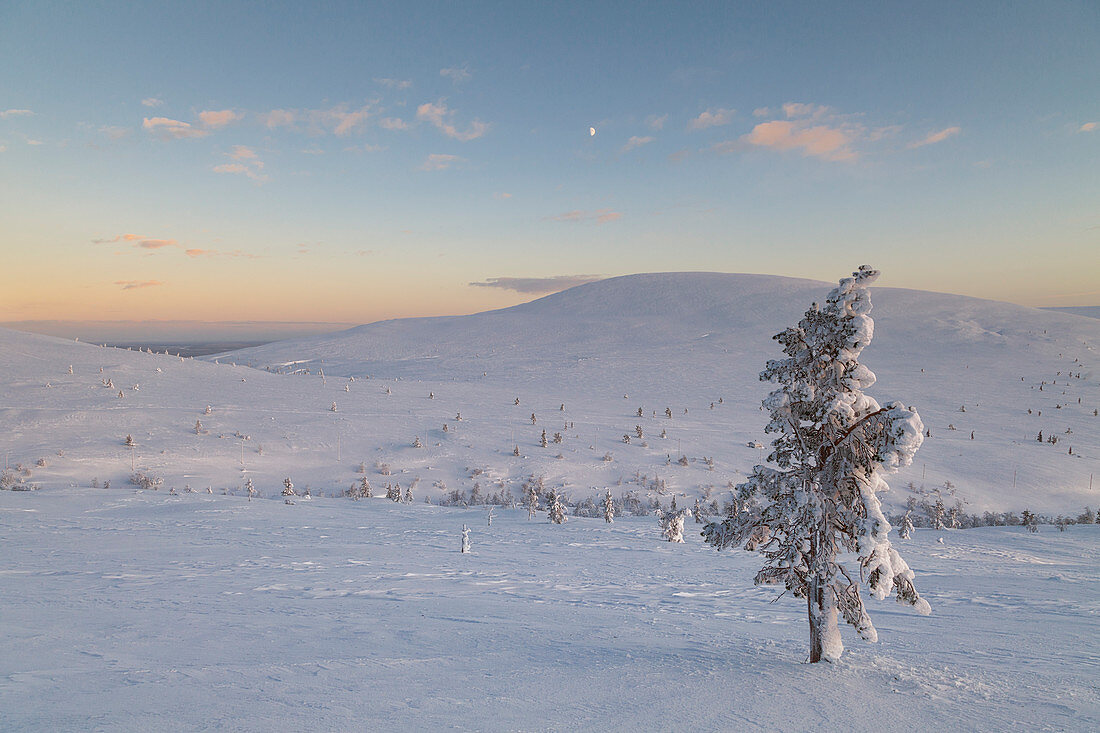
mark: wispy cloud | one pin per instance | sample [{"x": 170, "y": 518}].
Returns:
[
  {"x": 654, "y": 122},
  {"x": 797, "y": 110},
  {"x": 15, "y": 113},
  {"x": 115, "y": 133},
  {"x": 215, "y": 119},
  {"x": 537, "y": 285},
  {"x": 935, "y": 137},
  {"x": 600, "y": 216},
  {"x": 817, "y": 141},
  {"x": 345, "y": 121},
  {"x": 398, "y": 84},
  {"x": 137, "y": 284},
  {"x": 502, "y": 195},
  {"x": 439, "y": 115},
  {"x": 712, "y": 118},
  {"x": 166, "y": 127},
  {"x": 1088, "y": 127},
  {"x": 152, "y": 102},
  {"x": 762, "y": 112},
  {"x": 140, "y": 241},
  {"x": 440, "y": 162},
  {"x": 637, "y": 142},
  {"x": 393, "y": 123},
  {"x": 339, "y": 120},
  {"x": 456, "y": 74}
]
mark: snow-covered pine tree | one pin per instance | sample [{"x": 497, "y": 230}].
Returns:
[
  {"x": 833, "y": 447},
  {"x": 532, "y": 501},
  {"x": 906, "y": 530},
  {"x": 555, "y": 508},
  {"x": 697, "y": 512},
  {"x": 672, "y": 524},
  {"x": 409, "y": 494},
  {"x": 608, "y": 508},
  {"x": 465, "y": 538},
  {"x": 365, "y": 489},
  {"x": 288, "y": 490}
]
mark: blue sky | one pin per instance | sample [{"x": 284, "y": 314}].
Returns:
[{"x": 356, "y": 161}]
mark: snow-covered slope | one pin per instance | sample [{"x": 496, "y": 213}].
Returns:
[
  {"x": 584, "y": 361},
  {"x": 689, "y": 338}
]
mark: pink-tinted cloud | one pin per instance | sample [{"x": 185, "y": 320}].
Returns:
[
  {"x": 1088, "y": 127},
  {"x": 279, "y": 118},
  {"x": 818, "y": 141},
  {"x": 214, "y": 119},
  {"x": 600, "y": 216},
  {"x": 242, "y": 152},
  {"x": 762, "y": 112},
  {"x": 166, "y": 127},
  {"x": 637, "y": 142},
  {"x": 137, "y": 284},
  {"x": 440, "y": 162},
  {"x": 712, "y": 118},
  {"x": 152, "y": 102},
  {"x": 4, "y": 114},
  {"x": 246, "y": 163},
  {"x": 439, "y": 115},
  {"x": 345, "y": 122},
  {"x": 935, "y": 137},
  {"x": 199, "y": 252}
]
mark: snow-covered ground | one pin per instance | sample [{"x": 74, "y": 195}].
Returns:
[
  {"x": 583, "y": 362},
  {"x": 137, "y": 610}
]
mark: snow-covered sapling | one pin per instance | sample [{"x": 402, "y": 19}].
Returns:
[
  {"x": 608, "y": 508},
  {"x": 672, "y": 524},
  {"x": 820, "y": 500},
  {"x": 531, "y": 501},
  {"x": 555, "y": 507},
  {"x": 906, "y": 530},
  {"x": 249, "y": 488},
  {"x": 288, "y": 490},
  {"x": 465, "y": 538}
]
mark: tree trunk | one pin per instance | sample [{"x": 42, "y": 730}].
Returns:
[
  {"x": 816, "y": 612},
  {"x": 825, "y": 643}
]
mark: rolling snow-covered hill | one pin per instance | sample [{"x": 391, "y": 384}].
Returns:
[{"x": 584, "y": 362}]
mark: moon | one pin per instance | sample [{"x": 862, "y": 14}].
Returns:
[{"x": 591, "y": 131}]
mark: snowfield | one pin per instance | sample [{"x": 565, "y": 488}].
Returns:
[
  {"x": 583, "y": 362},
  {"x": 187, "y": 606},
  {"x": 136, "y": 610}
]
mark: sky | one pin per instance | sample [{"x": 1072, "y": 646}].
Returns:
[{"x": 351, "y": 162}]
